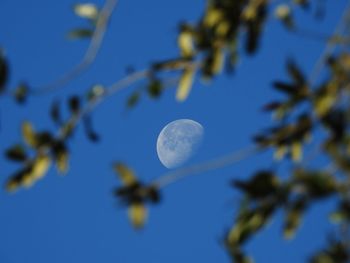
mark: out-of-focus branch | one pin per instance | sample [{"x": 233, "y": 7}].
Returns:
[
  {"x": 109, "y": 91},
  {"x": 331, "y": 45},
  {"x": 334, "y": 39},
  {"x": 216, "y": 163},
  {"x": 90, "y": 54}
]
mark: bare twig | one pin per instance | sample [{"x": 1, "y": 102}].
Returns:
[
  {"x": 335, "y": 39},
  {"x": 109, "y": 91},
  {"x": 90, "y": 54},
  {"x": 219, "y": 162},
  {"x": 331, "y": 45}
]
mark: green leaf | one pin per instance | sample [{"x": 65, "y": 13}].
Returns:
[
  {"x": 80, "y": 33},
  {"x": 295, "y": 73},
  {"x": 293, "y": 218},
  {"x": 16, "y": 153},
  {"x": 89, "y": 131},
  {"x": 133, "y": 99},
  {"x": 21, "y": 93},
  {"x": 61, "y": 156},
  {"x": 74, "y": 104},
  {"x": 55, "y": 113},
  {"x": 4, "y": 72},
  {"x": 155, "y": 88}
]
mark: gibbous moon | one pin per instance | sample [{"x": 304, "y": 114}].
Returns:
[{"x": 178, "y": 141}]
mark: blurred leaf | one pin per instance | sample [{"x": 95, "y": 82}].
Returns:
[
  {"x": 74, "y": 104},
  {"x": 67, "y": 129},
  {"x": 21, "y": 93},
  {"x": 323, "y": 103},
  {"x": 185, "y": 84},
  {"x": 61, "y": 156},
  {"x": 293, "y": 218},
  {"x": 18, "y": 179},
  {"x": 155, "y": 88},
  {"x": 185, "y": 41},
  {"x": 296, "y": 151},
  {"x": 272, "y": 106},
  {"x": 262, "y": 184},
  {"x": 287, "y": 88},
  {"x": 89, "y": 131},
  {"x": 126, "y": 175},
  {"x": 218, "y": 61},
  {"x": 213, "y": 16},
  {"x": 86, "y": 10},
  {"x": 30, "y": 173},
  {"x": 316, "y": 184},
  {"x": 16, "y": 153},
  {"x": 133, "y": 99},
  {"x": 335, "y": 252},
  {"x": 4, "y": 72},
  {"x": 44, "y": 139},
  {"x": 28, "y": 134},
  {"x": 255, "y": 17},
  {"x": 137, "y": 214},
  {"x": 55, "y": 113},
  {"x": 40, "y": 167},
  {"x": 342, "y": 214},
  {"x": 305, "y": 4},
  {"x": 295, "y": 73},
  {"x": 80, "y": 33}
]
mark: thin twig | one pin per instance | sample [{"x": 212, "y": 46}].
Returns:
[
  {"x": 219, "y": 162},
  {"x": 108, "y": 92},
  {"x": 90, "y": 54},
  {"x": 335, "y": 39},
  {"x": 330, "y": 47}
]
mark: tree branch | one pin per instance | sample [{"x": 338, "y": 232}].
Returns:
[
  {"x": 219, "y": 162},
  {"x": 90, "y": 54}
]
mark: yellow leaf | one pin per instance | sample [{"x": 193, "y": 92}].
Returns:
[
  {"x": 218, "y": 61},
  {"x": 249, "y": 12},
  {"x": 223, "y": 28},
  {"x": 280, "y": 152},
  {"x": 62, "y": 162},
  {"x": 126, "y": 175},
  {"x": 137, "y": 213},
  {"x": 27, "y": 180},
  {"x": 87, "y": 10},
  {"x": 324, "y": 104},
  {"x": 212, "y": 17},
  {"x": 296, "y": 151},
  {"x": 282, "y": 11},
  {"x": 29, "y": 134},
  {"x": 40, "y": 166},
  {"x": 185, "y": 84},
  {"x": 12, "y": 185},
  {"x": 185, "y": 43}
]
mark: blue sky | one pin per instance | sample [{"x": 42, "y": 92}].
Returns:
[{"x": 75, "y": 218}]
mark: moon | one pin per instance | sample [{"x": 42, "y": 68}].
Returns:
[{"x": 178, "y": 141}]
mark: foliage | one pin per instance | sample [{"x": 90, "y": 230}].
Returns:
[{"x": 206, "y": 48}]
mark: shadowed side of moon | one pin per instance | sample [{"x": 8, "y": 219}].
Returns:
[{"x": 178, "y": 141}]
